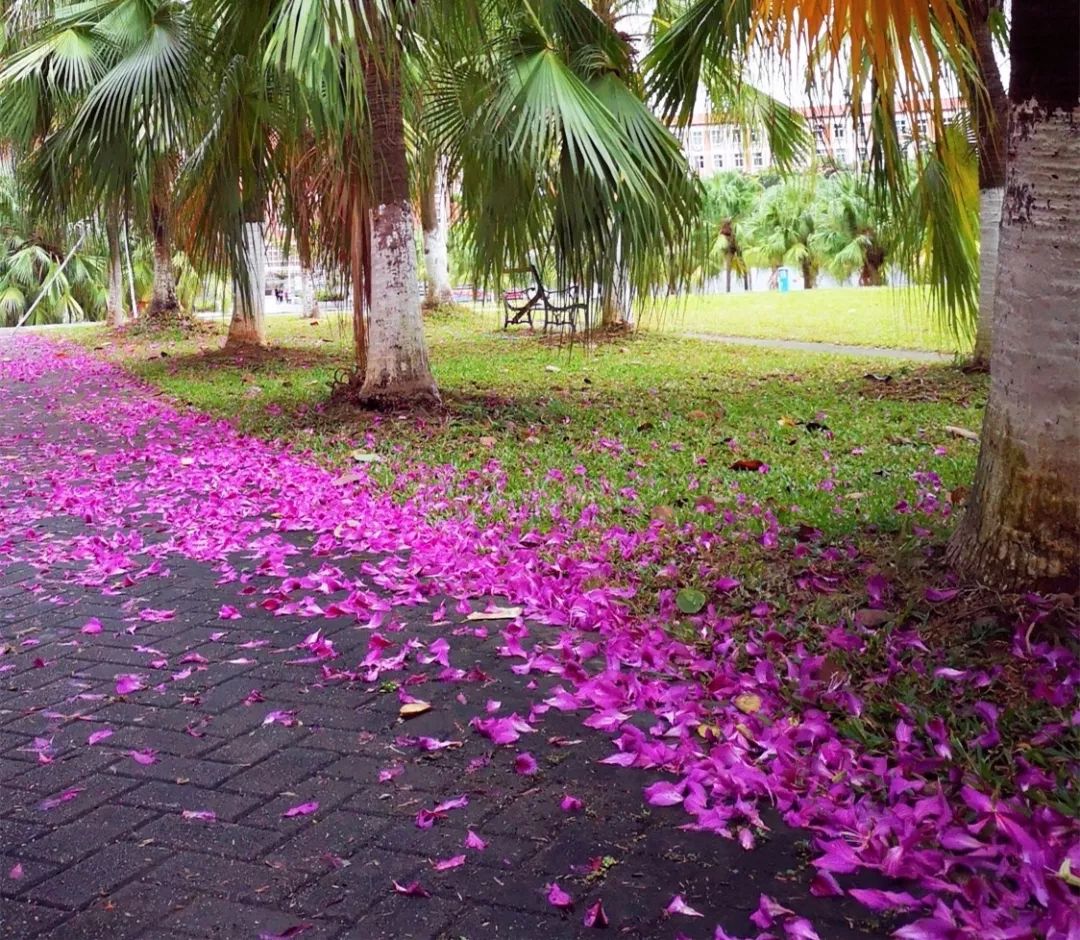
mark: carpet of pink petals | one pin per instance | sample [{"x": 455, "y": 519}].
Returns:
[{"x": 745, "y": 712}]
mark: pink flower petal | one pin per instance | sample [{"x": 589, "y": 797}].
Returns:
[
  {"x": 445, "y": 864},
  {"x": 679, "y": 906},
  {"x": 595, "y": 915},
  {"x": 16, "y": 871},
  {"x": 473, "y": 841},
  {"x": 571, "y": 804},
  {"x": 146, "y": 758},
  {"x": 302, "y": 809},
  {"x": 98, "y": 736},
  {"x": 525, "y": 764},
  {"x": 227, "y": 612},
  {"x": 557, "y": 897},
  {"x": 91, "y": 627},
  {"x": 664, "y": 793},
  {"x": 202, "y": 815},
  {"x": 65, "y": 797},
  {"x": 412, "y": 890},
  {"x": 128, "y": 683}
]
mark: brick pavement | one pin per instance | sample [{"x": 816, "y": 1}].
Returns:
[{"x": 118, "y": 859}]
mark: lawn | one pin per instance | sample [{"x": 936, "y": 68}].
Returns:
[
  {"x": 646, "y": 426},
  {"x": 867, "y": 316}
]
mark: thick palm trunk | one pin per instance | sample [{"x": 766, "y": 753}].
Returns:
[
  {"x": 809, "y": 274},
  {"x": 1022, "y": 528},
  {"x": 248, "y": 324},
  {"x": 163, "y": 302},
  {"x": 115, "y": 315},
  {"x": 435, "y": 220},
  {"x": 991, "y": 106},
  {"x": 397, "y": 363}
]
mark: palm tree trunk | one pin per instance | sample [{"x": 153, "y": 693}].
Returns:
[
  {"x": 434, "y": 218},
  {"x": 397, "y": 363},
  {"x": 359, "y": 245},
  {"x": 309, "y": 298},
  {"x": 1022, "y": 527},
  {"x": 991, "y": 106},
  {"x": 727, "y": 273},
  {"x": 163, "y": 302},
  {"x": 248, "y": 324},
  {"x": 115, "y": 315},
  {"x": 809, "y": 275}
]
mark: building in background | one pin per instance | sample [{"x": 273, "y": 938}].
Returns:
[{"x": 715, "y": 145}]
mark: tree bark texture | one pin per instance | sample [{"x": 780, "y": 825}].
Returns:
[
  {"x": 1022, "y": 527},
  {"x": 248, "y": 324},
  {"x": 435, "y": 220},
  {"x": 115, "y": 314},
  {"x": 163, "y": 302},
  {"x": 397, "y": 363},
  {"x": 991, "y": 110}
]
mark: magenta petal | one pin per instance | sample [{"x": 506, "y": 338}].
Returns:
[
  {"x": 571, "y": 804},
  {"x": 473, "y": 841},
  {"x": 16, "y": 871},
  {"x": 412, "y": 890},
  {"x": 128, "y": 683},
  {"x": 146, "y": 758},
  {"x": 557, "y": 897},
  {"x": 664, "y": 793},
  {"x": 595, "y": 915},
  {"x": 445, "y": 864},
  {"x": 525, "y": 764},
  {"x": 99, "y": 736},
  {"x": 65, "y": 797},
  {"x": 679, "y": 906},
  {"x": 203, "y": 815},
  {"x": 303, "y": 809},
  {"x": 92, "y": 626}
]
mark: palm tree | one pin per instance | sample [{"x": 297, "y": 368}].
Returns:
[
  {"x": 990, "y": 105},
  {"x": 730, "y": 199},
  {"x": 129, "y": 74},
  {"x": 782, "y": 229},
  {"x": 1022, "y": 525},
  {"x": 853, "y": 230}
]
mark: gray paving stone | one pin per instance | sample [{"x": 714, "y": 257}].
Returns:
[{"x": 76, "y": 886}]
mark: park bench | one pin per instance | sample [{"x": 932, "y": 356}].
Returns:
[{"x": 561, "y": 307}]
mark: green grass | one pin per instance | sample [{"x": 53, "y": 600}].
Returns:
[
  {"x": 867, "y": 316},
  {"x": 657, "y": 415}
]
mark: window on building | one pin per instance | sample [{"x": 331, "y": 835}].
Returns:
[
  {"x": 697, "y": 139},
  {"x": 839, "y": 130},
  {"x": 755, "y": 135},
  {"x": 699, "y": 161},
  {"x": 718, "y": 161},
  {"x": 819, "y": 131},
  {"x": 759, "y": 158},
  {"x": 902, "y": 127},
  {"x": 739, "y": 159},
  {"x": 716, "y": 135},
  {"x": 924, "y": 127}
]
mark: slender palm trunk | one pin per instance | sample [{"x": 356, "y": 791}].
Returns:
[
  {"x": 1022, "y": 527},
  {"x": 991, "y": 106},
  {"x": 309, "y": 298},
  {"x": 727, "y": 273},
  {"x": 359, "y": 245},
  {"x": 115, "y": 315},
  {"x": 397, "y": 363},
  {"x": 163, "y": 302},
  {"x": 809, "y": 274},
  {"x": 248, "y": 324},
  {"x": 435, "y": 219}
]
